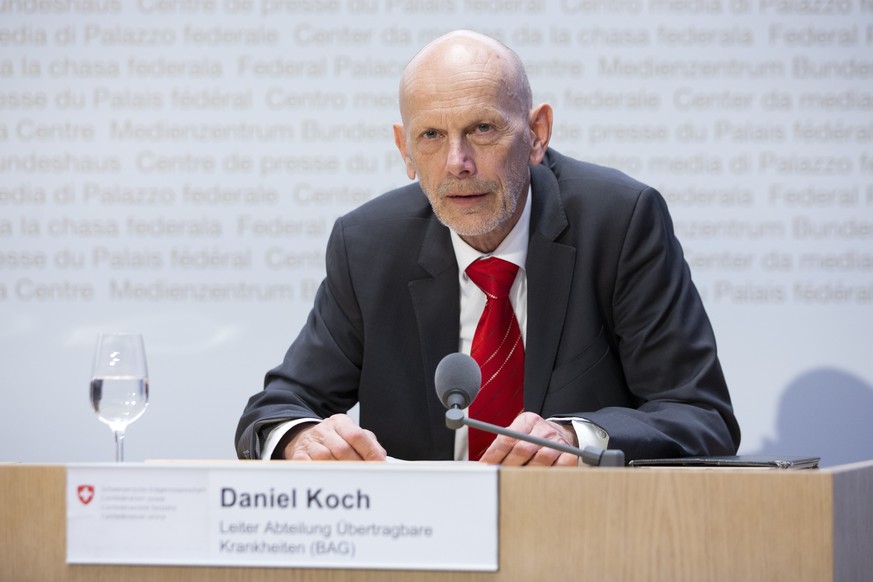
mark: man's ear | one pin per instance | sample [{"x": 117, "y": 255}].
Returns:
[
  {"x": 540, "y": 122},
  {"x": 400, "y": 142}
]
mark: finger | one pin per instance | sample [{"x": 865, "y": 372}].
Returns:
[
  {"x": 340, "y": 438},
  {"x": 322, "y": 442},
  {"x": 318, "y": 444},
  {"x": 511, "y": 452},
  {"x": 362, "y": 442},
  {"x": 346, "y": 441},
  {"x": 558, "y": 434},
  {"x": 502, "y": 446},
  {"x": 308, "y": 448},
  {"x": 546, "y": 457},
  {"x": 521, "y": 453},
  {"x": 567, "y": 460},
  {"x": 306, "y": 454},
  {"x": 498, "y": 450}
]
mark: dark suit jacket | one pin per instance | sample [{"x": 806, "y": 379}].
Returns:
[{"x": 616, "y": 330}]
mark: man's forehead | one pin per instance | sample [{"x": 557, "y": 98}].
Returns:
[
  {"x": 453, "y": 76},
  {"x": 441, "y": 77},
  {"x": 455, "y": 63}
]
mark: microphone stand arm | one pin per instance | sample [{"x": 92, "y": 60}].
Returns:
[{"x": 455, "y": 418}]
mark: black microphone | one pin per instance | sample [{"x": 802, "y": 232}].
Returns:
[{"x": 457, "y": 381}]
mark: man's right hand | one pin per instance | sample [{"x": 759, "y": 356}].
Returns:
[{"x": 337, "y": 438}]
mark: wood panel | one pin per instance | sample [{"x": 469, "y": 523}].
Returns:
[{"x": 690, "y": 524}]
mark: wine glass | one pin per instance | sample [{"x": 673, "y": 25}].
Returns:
[{"x": 119, "y": 383}]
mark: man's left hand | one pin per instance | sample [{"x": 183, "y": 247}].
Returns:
[{"x": 512, "y": 452}]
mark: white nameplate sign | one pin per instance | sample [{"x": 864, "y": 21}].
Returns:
[{"x": 432, "y": 516}]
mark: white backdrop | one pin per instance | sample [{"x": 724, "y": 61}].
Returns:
[{"x": 173, "y": 167}]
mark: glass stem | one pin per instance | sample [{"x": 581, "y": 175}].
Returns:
[{"x": 119, "y": 446}]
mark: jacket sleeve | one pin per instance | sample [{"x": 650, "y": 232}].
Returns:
[
  {"x": 666, "y": 347},
  {"x": 321, "y": 369}
]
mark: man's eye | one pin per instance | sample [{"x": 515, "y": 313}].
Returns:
[
  {"x": 430, "y": 134},
  {"x": 484, "y": 127}
]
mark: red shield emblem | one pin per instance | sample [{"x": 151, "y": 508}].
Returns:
[{"x": 85, "y": 493}]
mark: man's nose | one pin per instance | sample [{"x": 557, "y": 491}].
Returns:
[{"x": 459, "y": 161}]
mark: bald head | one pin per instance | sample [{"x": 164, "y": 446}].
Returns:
[
  {"x": 469, "y": 134},
  {"x": 467, "y": 58}
]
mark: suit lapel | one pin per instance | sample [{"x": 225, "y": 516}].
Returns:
[
  {"x": 549, "y": 277},
  {"x": 437, "y": 305}
]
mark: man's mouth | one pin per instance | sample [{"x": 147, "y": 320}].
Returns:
[
  {"x": 467, "y": 194},
  {"x": 466, "y": 200}
]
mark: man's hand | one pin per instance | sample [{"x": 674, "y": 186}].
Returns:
[
  {"x": 509, "y": 451},
  {"x": 337, "y": 438}
]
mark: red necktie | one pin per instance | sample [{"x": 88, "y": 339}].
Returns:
[{"x": 498, "y": 349}]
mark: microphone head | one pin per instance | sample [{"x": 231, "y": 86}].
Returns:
[{"x": 457, "y": 380}]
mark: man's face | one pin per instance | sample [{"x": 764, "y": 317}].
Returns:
[{"x": 469, "y": 143}]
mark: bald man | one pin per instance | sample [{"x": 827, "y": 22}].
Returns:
[{"x": 618, "y": 351}]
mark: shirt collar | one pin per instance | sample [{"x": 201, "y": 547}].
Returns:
[{"x": 512, "y": 249}]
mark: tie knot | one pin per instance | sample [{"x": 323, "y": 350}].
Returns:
[{"x": 493, "y": 276}]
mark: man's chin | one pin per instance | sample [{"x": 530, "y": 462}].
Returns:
[
  {"x": 467, "y": 230},
  {"x": 474, "y": 222}
]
